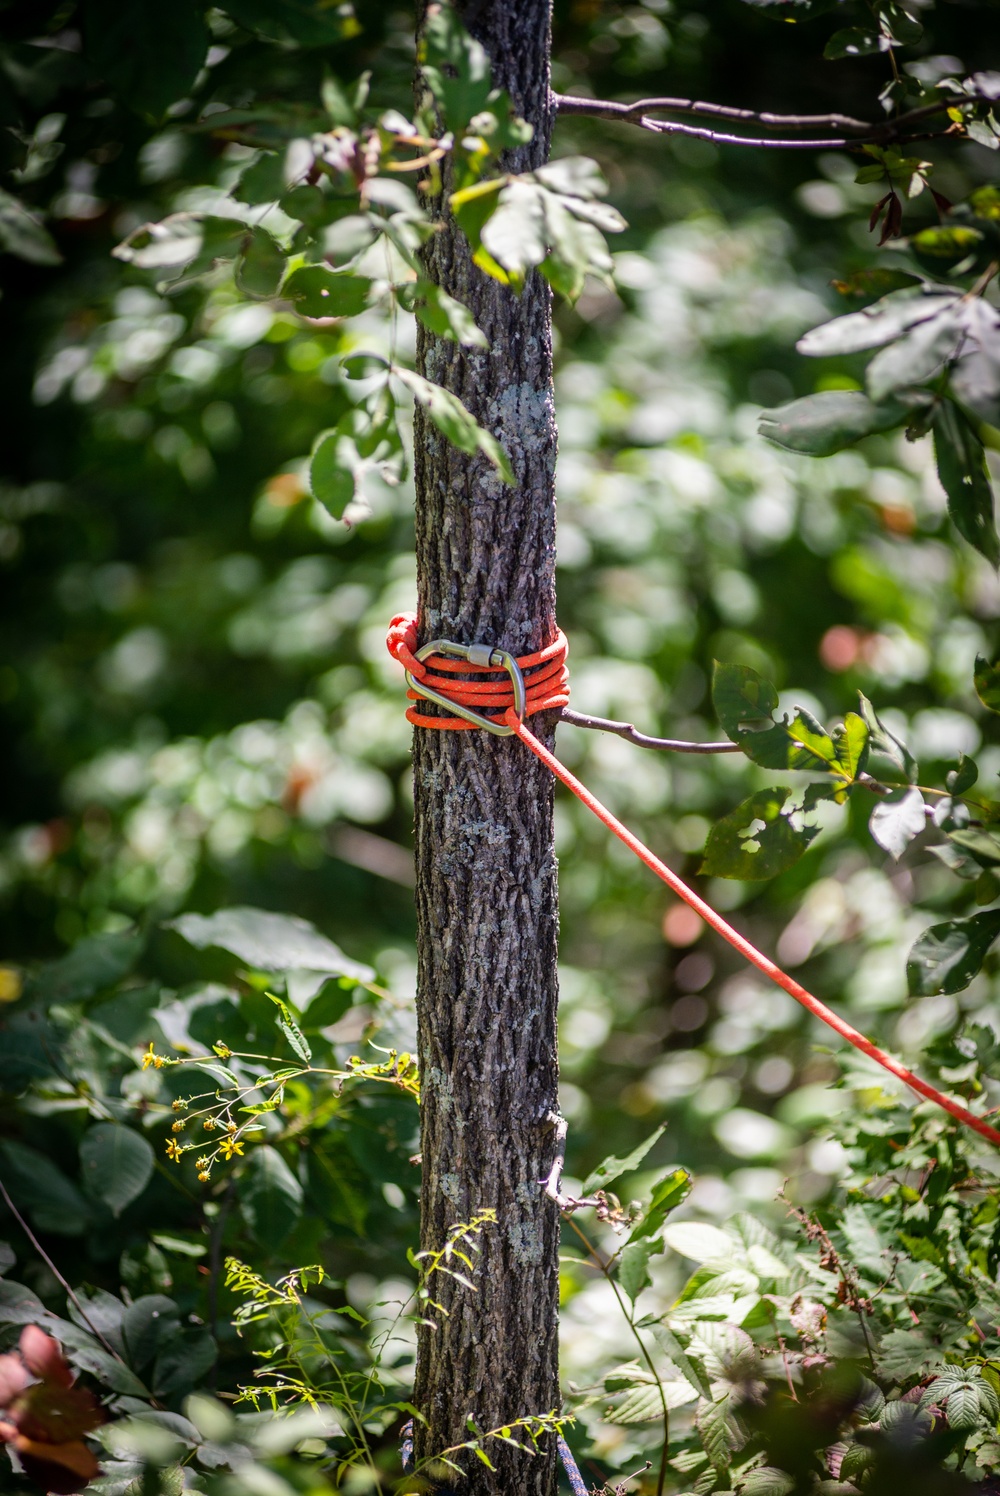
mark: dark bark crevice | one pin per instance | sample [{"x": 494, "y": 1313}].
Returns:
[{"x": 486, "y": 872}]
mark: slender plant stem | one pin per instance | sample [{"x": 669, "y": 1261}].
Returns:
[
  {"x": 605, "y": 1269},
  {"x": 642, "y": 739},
  {"x": 19, "y": 1218}
]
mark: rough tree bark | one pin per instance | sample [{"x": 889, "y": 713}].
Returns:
[{"x": 486, "y": 870}]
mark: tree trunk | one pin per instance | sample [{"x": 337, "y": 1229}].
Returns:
[{"x": 486, "y": 870}]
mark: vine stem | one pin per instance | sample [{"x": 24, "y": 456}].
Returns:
[{"x": 605, "y": 1270}]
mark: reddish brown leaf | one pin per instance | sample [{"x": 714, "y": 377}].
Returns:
[{"x": 43, "y": 1356}]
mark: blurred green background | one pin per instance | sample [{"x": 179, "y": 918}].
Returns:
[{"x": 198, "y": 709}]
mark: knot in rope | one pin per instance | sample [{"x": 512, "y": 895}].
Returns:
[{"x": 490, "y": 690}]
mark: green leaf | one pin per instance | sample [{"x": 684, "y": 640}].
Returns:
[
  {"x": 143, "y": 1325},
  {"x": 291, "y": 1030},
  {"x": 981, "y": 844},
  {"x": 261, "y": 265},
  {"x": 699, "y": 1241},
  {"x": 263, "y": 181},
  {"x": 441, "y": 313},
  {"x": 852, "y": 41},
  {"x": 897, "y": 819},
  {"x": 947, "y": 246},
  {"x": 882, "y": 741},
  {"x": 94, "y": 964},
  {"x": 766, "y": 1480},
  {"x": 756, "y": 840},
  {"x": 452, "y": 419},
  {"x": 306, "y": 23},
  {"x": 184, "y": 1356},
  {"x": 23, "y": 234},
  {"x": 116, "y": 1164},
  {"x": 455, "y": 67},
  {"x": 668, "y": 1193},
  {"x": 39, "y": 1187},
  {"x": 149, "y": 54},
  {"x": 611, "y": 1168},
  {"x": 961, "y": 465},
  {"x": 331, "y": 477},
  {"x": 268, "y": 942},
  {"x": 270, "y": 1196},
  {"x": 851, "y": 745},
  {"x": 948, "y": 955},
  {"x": 633, "y": 1265},
  {"x": 712, "y": 1423},
  {"x": 987, "y": 682},
  {"x": 819, "y": 425},
  {"x": 916, "y": 358},
  {"x": 318, "y": 291},
  {"x": 515, "y": 234},
  {"x": 876, "y": 325}
]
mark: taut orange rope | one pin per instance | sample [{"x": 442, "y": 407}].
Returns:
[{"x": 550, "y": 690}]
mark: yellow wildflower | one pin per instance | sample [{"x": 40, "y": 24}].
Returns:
[
  {"x": 201, "y": 1163},
  {"x": 178, "y": 1106},
  {"x": 222, "y": 1050},
  {"x": 151, "y": 1058},
  {"x": 177, "y": 1127},
  {"x": 229, "y": 1146},
  {"x": 230, "y": 1128},
  {"x": 203, "y": 1176},
  {"x": 174, "y": 1151},
  {"x": 209, "y": 1124}
]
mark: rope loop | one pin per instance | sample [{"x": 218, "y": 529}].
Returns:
[{"x": 486, "y": 688}]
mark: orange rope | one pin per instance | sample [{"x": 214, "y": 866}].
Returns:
[{"x": 550, "y": 693}]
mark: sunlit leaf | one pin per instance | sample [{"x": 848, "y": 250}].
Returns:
[{"x": 948, "y": 955}]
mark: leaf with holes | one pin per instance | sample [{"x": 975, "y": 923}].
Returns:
[
  {"x": 961, "y": 465},
  {"x": 318, "y": 291},
  {"x": 454, "y": 421},
  {"x": 756, "y": 840},
  {"x": 948, "y": 955}
]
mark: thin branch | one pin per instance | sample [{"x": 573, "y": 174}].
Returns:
[
  {"x": 641, "y": 739},
  {"x": 612, "y": 109},
  {"x": 878, "y": 134},
  {"x": 19, "y": 1218},
  {"x": 566, "y": 1203}
]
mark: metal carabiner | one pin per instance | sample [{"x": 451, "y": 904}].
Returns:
[{"x": 476, "y": 654}]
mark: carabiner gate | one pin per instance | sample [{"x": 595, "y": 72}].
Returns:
[{"x": 482, "y": 655}]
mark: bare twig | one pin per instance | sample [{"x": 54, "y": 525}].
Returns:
[
  {"x": 566, "y": 1203},
  {"x": 641, "y": 739},
  {"x": 612, "y": 109},
  {"x": 865, "y": 132}
]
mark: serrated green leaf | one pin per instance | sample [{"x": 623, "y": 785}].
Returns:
[
  {"x": 851, "y": 745},
  {"x": 291, "y": 1030},
  {"x": 611, "y": 1168},
  {"x": 876, "y": 325},
  {"x": 668, "y": 1193},
  {"x": 261, "y": 265}
]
